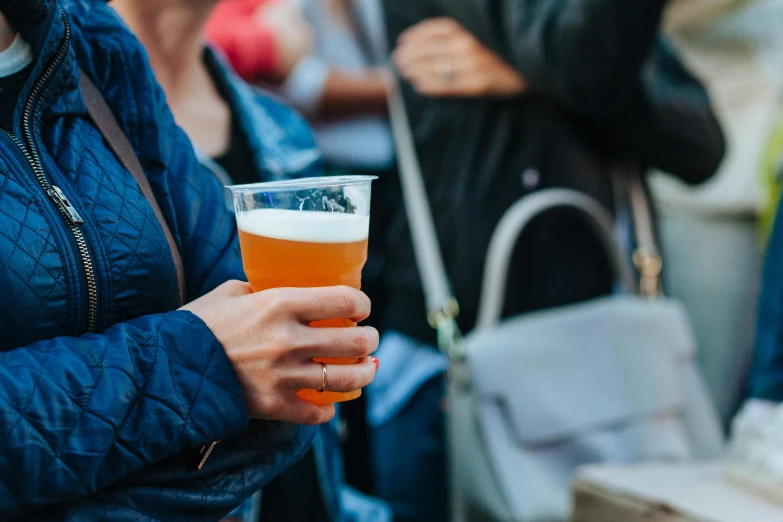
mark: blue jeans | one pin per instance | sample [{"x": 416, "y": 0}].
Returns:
[
  {"x": 341, "y": 502},
  {"x": 407, "y": 437}
]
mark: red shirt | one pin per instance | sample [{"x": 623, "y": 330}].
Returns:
[{"x": 248, "y": 45}]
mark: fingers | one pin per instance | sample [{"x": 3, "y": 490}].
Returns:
[
  {"x": 455, "y": 40},
  {"x": 455, "y": 48},
  {"x": 429, "y": 65},
  {"x": 448, "y": 65},
  {"x": 432, "y": 29},
  {"x": 457, "y": 65},
  {"x": 409, "y": 54},
  {"x": 427, "y": 75},
  {"x": 337, "y": 343},
  {"x": 319, "y": 304},
  {"x": 339, "y": 378}
]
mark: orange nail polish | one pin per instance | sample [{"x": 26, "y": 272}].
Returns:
[{"x": 376, "y": 362}]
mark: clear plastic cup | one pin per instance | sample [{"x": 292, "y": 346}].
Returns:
[{"x": 306, "y": 233}]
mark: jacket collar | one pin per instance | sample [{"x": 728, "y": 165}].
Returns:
[
  {"x": 281, "y": 145},
  {"x": 43, "y": 25},
  {"x": 229, "y": 86},
  {"x": 33, "y": 19}
]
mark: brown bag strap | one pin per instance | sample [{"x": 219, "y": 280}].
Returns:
[{"x": 118, "y": 142}]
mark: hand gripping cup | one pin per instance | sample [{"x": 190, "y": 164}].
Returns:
[{"x": 306, "y": 233}]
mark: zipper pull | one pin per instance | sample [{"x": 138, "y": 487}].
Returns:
[
  {"x": 208, "y": 450},
  {"x": 56, "y": 195}
]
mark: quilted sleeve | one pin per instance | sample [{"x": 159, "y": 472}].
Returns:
[
  {"x": 175, "y": 490},
  {"x": 86, "y": 412}
]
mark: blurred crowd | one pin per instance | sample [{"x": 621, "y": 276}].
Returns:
[{"x": 504, "y": 99}]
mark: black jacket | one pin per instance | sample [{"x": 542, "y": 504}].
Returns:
[{"x": 603, "y": 86}]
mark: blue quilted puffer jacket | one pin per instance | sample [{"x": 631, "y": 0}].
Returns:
[{"x": 106, "y": 394}]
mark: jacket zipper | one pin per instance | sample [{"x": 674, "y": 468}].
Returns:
[
  {"x": 58, "y": 198},
  {"x": 56, "y": 195}
]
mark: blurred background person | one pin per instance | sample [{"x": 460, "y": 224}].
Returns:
[
  {"x": 225, "y": 118},
  {"x": 507, "y": 98},
  {"x": 337, "y": 84},
  {"x": 711, "y": 233},
  {"x": 243, "y": 135}
]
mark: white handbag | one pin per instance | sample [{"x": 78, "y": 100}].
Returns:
[{"x": 534, "y": 397}]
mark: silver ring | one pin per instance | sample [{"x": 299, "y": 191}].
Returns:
[
  {"x": 444, "y": 68},
  {"x": 323, "y": 382}
]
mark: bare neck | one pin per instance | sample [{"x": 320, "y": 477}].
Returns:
[
  {"x": 171, "y": 31},
  {"x": 7, "y": 33}
]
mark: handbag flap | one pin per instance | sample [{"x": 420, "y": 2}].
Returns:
[{"x": 584, "y": 367}]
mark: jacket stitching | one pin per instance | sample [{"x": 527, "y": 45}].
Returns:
[
  {"x": 88, "y": 401},
  {"x": 196, "y": 397},
  {"x": 140, "y": 394}
]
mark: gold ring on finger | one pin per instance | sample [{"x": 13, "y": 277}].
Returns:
[{"x": 323, "y": 381}]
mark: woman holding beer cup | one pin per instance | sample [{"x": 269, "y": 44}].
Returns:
[{"x": 109, "y": 388}]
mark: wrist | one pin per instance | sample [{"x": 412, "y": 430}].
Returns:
[{"x": 7, "y": 33}]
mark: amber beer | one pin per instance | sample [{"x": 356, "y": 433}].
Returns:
[{"x": 291, "y": 248}]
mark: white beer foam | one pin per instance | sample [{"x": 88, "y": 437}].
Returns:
[{"x": 310, "y": 227}]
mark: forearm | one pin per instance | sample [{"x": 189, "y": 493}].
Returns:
[
  {"x": 320, "y": 91},
  {"x": 86, "y": 412},
  {"x": 346, "y": 95}
]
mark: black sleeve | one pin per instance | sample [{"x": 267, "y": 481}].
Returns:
[
  {"x": 668, "y": 122},
  {"x": 585, "y": 55},
  {"x": 605, "y": 63}
]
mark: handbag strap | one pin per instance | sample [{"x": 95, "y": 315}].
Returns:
[
  {"x": 513, "y": 223},
  {"x": 441, "y": 304},
  {"x": 442, "y": 307},
  {"x": 647, "y": 257},
  {"x": 118, "y": 142}
]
